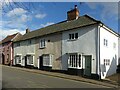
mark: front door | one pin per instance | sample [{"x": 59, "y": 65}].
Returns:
[
  {"x": 87, "y": 71},
  {"x": 41, "y": 62},
  {"x": 25, "y": 61}
]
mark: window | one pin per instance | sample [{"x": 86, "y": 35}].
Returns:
[
  {"x": 73, "y": 36},
  {"x": 18, "y": 44},
  {"x": 42, "y": 43},
  {"x": 74, "y": 61},
  {"x": 105, "y": 42},
  {"x": 114, "y": 45},
  {"x": 29, "y": 59},
  {"x": 29, "y": 42},
  {"x": 106, "y": 62},
  {"x": 47, "y": 60},
  {"x": 18, "y": 59}
]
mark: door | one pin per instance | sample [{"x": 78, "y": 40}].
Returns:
[
  {"x": 41, "y": 62},
  {"x": 87, "y": 71},
  {"x": 3, "y": 58},
  {"x": 25, "y": 61}
]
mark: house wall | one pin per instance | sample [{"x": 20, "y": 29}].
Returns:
[
  {"x": 119, "y": 50},
  {"x": 24, "y": 49},
  {"x": 53, "y": 47},
  {"x": 86, "y": 44},
  {"x": 7, "y": 52},
  {"x": 108, "y": 52}
]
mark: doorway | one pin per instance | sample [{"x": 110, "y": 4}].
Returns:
[
  {"x": 87, "y": 71},
  {"x": 41, "y": 62}
]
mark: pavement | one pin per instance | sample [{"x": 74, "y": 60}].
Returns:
[{"x": 107, "y": 82}]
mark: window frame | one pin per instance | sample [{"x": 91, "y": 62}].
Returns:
[
  {"x": 75, "y": 59},
  {"x": 105, "y": 42},
  {"x": 73, "y": 36},
  {"x": 50, "y": 60},
  {"x": 28, "y": 61},
  {"x": 42, "y": 43},
  {"x": 19, "y": 59}
]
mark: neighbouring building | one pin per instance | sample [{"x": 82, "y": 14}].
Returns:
[
  {"x": 80, "y": 45},
  {"x": 7, "y": 48}
]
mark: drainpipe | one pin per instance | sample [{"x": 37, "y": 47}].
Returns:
[{"x": 99, "y": 50}]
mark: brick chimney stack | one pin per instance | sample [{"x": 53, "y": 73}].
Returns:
[{"x": 73, "y": 14}]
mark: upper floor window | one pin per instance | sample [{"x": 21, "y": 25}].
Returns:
[
  {"x": 42, "y": 43},
  {"x": 105, "y": 42},
  {"x": 114, "y": 45},
  {"x": 29, "y": 42},
  {"x": 73, "y": 36},
  {"x": 18, "y": 44}
]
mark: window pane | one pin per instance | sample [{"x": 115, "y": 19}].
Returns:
[
  {"x": 76, "y": 60},
  {"x": 76, "y": 35},
  {"x": 46, "y": 60},
  {"x": 79, "y": 60},
  {"x": 72, "y": 36}
]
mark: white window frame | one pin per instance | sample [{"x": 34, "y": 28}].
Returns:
[
  {"x": 29, "y": 61},
  {"x": 42, "y": 43},
  {"x": 114, "y": 45},
  {"x": 19, "y": 59},
  {"x": 105, "y": 42},
  {"x": 78, "y": 58},
  {"x": 50, "y": 60},
  {"x": 73, "y": 36}
]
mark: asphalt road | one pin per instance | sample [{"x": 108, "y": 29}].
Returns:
[{"x": 15, "y": 78}]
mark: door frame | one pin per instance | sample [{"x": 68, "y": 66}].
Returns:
[{"x": 85, "y": 65}]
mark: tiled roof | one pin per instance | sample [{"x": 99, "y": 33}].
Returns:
[
  {"x": 9, "y": 38},
  {"x": 59, "y": 27}
]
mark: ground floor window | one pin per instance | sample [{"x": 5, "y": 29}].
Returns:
[
  {"x": 29, "y": 59},
  {"x": 47, "y": 60},
  {"x": 74, "y": 61},
  {"x": 18, "y": 59}
]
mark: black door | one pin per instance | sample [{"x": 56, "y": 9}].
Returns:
[
  {"x": 25, "y": 61},
  {"x": 3, "y": 58},
  {"x": 41, "y": 62}
]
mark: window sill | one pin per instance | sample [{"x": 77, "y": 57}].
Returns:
[
  {"x": 75, "y": 67},
  {"x": 42, "y": 47},
  {"x": 48, "y": 65},
  {"x": 72, "y": 39}
]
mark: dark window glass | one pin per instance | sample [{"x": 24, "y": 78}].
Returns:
[
  {"x": 72, "y": 36},
  {"x": 76, "y": 35}
]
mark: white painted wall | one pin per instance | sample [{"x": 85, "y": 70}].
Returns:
[
  {"x": 108, "y": 52},
  {"x": 86, "y": 43},
  {"x": 119, "y": 50},
  {"x": 24, "y": 49}
]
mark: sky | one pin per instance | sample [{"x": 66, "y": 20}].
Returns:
[{"x": 16, "y": 17}]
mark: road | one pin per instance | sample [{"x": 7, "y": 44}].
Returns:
[{"x": 15, "y": 78}]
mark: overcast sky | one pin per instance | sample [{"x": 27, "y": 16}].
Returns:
[{"x": 36, "y": 15}]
